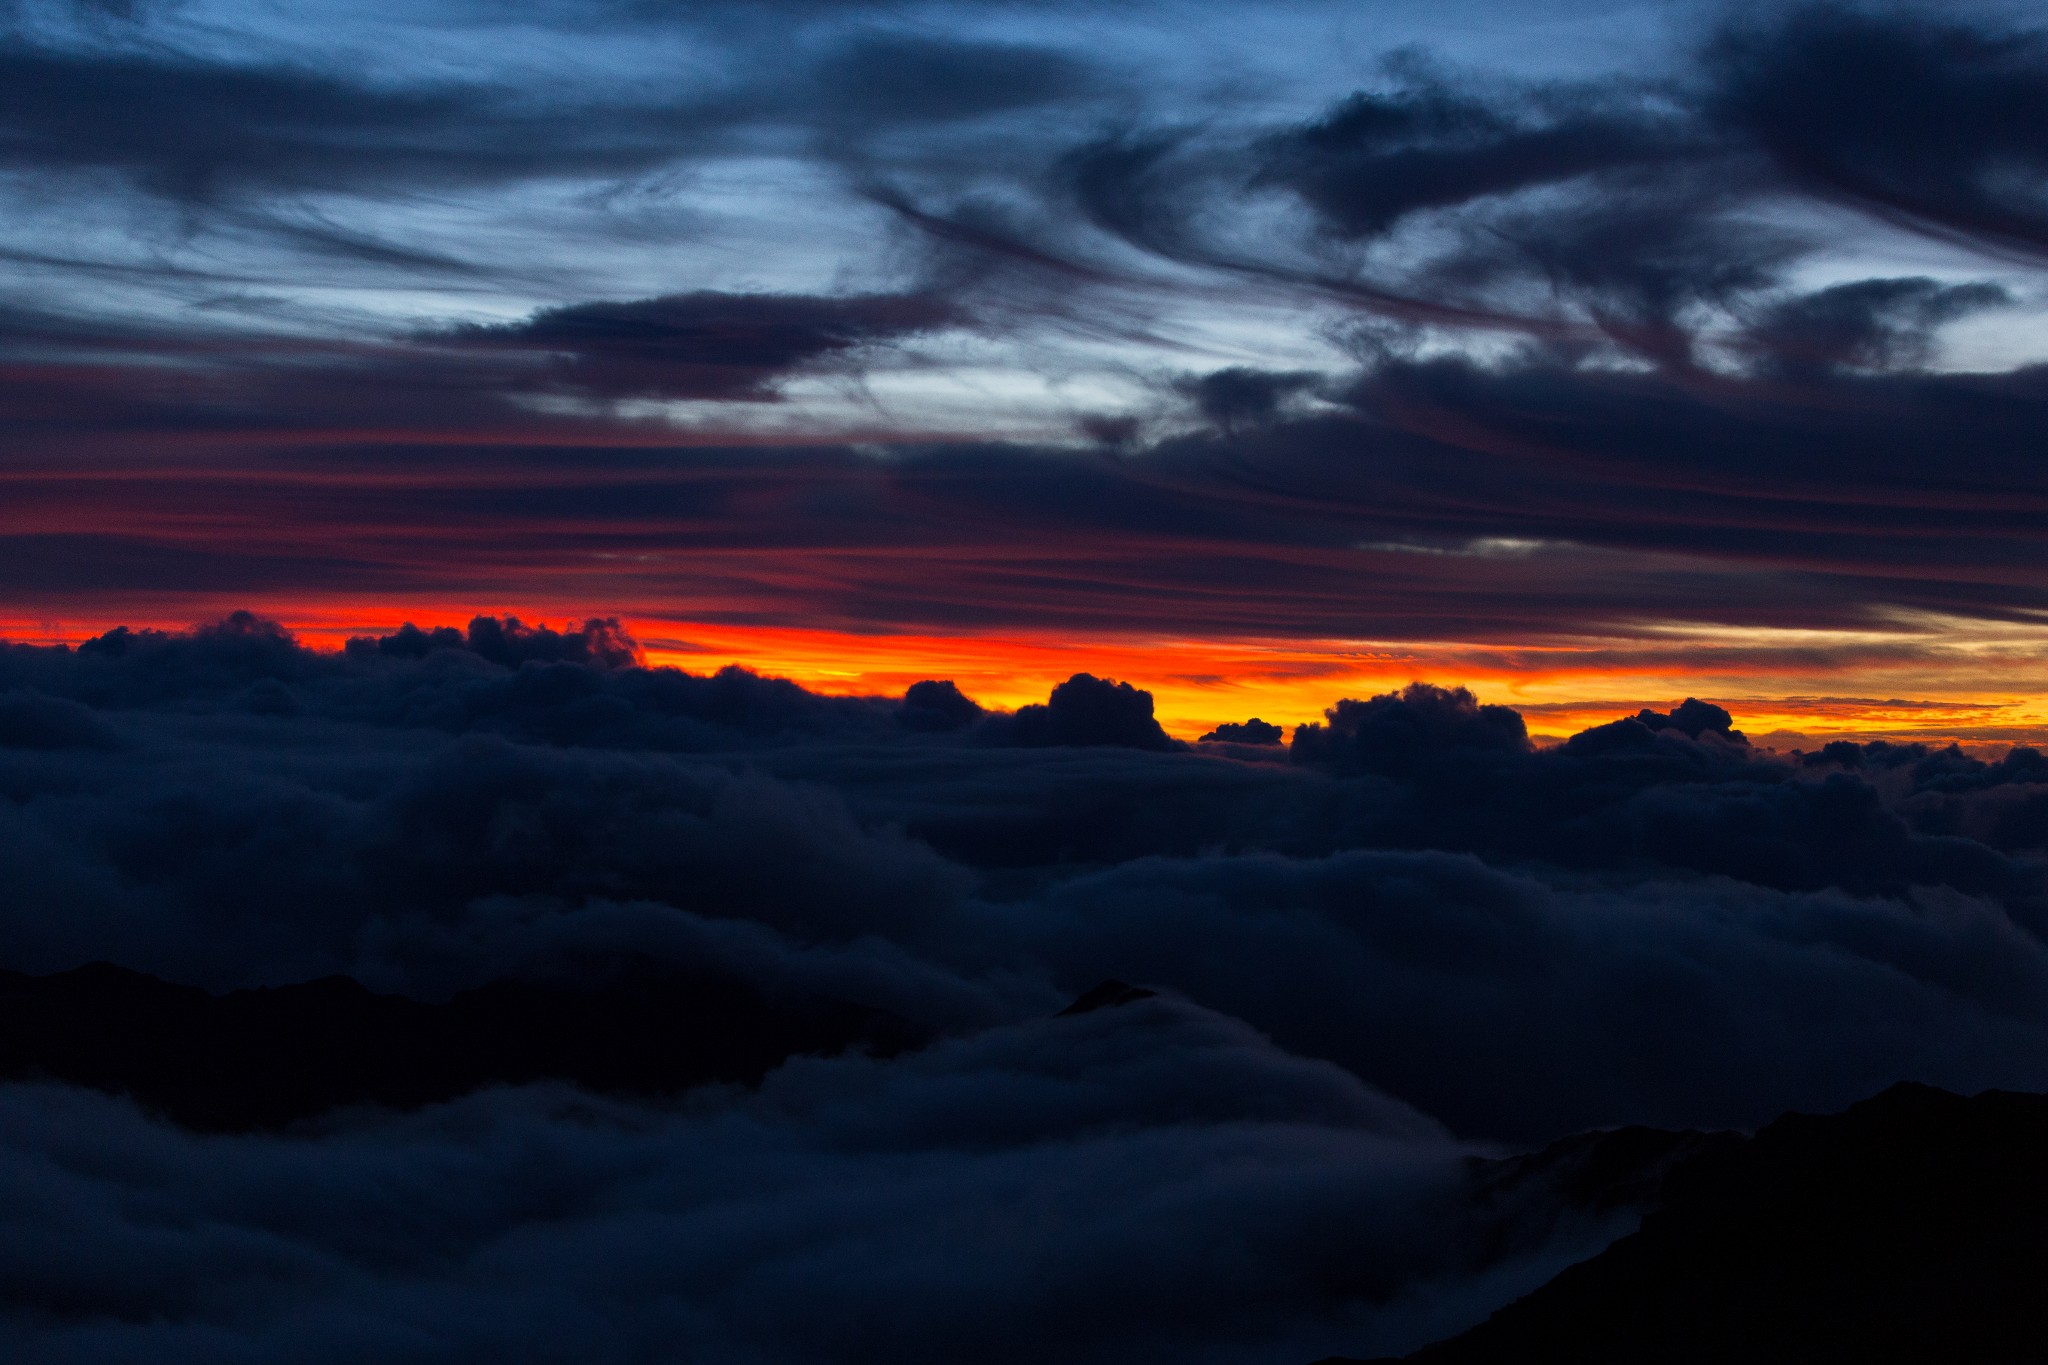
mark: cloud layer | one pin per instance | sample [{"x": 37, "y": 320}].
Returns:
[{"x": 1405, "y": 935}]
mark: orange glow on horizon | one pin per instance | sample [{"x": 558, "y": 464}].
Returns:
[{"x": 1198, "y": 684}]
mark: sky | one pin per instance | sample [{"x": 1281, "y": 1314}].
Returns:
[
  {"x": 791, "y": 510},
  {"x": 1590, "y": 354}
]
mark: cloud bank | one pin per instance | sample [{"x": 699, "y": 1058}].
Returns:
[{"x": 1407, "y": 938}]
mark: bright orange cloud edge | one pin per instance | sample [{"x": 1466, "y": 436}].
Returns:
[{"x": 1783, "y": 694}]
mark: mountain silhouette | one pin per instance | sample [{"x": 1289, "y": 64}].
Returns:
[
  {"x": 1912, "y": 1227},
  {"x": 257, "y": 1059}
]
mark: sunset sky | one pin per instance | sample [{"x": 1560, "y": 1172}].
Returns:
[
  {"x": 1591, "y": 353},
  {"x": 629, "y": 631}
]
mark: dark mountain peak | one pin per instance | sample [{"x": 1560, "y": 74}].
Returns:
[
  {"x": 267, "y": 1057},
  {"x": 1907, "y": 1227},
  {"x": 1605, "y": 1169}
]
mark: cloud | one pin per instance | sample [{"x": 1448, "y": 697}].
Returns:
[
  {"x": 1087, "y": 710},
  {"x": 1239, "y": 396},
  {"x": 1379, "y": 157},
  {"x": 1407, "y": 733},
  {"x": 29, "y": 720},
  {"x": 1606, "y": 272},
  {"x": 938, "y": 705},
  {"x": 1061, "y": 1188},
  {"x": 1874, "y": 324},
  {"x": 706, "y": 345},
  {"x": 193, "y": 129},
  {"x": 1349, "y": 961},
  {"x": 1518, "y": 1009},
  {"x": 433, "y": 821},
  {"x": 907, "y": 78},
  {"x": 1253, "y": 731},
  {"x": 1290, "y": 526},
  {"x": 1624, "y": 212},
  {"x": 1933, "y": 122},
  {"x": 511, "y": 642}
]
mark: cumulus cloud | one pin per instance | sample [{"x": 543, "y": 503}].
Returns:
[
  {"x": 1409, "y": 732},
  {"x": 1087, "y": 710},
  {"x": 511, "y": 642}
]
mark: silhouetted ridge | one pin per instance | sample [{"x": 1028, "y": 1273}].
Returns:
[
  {"x": 1909, "y": 1228},
  {"x": 262, "y": 1058},
  {"x": 1106, "y": 995},
  {"x": 1598, "y": 1172}
]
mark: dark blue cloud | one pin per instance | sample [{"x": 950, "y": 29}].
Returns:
[
  {"x": 1935, "y": 121},
  {"x": 1056, "y": 1188},
  {"x": 1379, "y": 157},
  {"x": 1253, "y": 731},
  {"x": 706, "y": 345},
  {"x": 1087, "y": 710},
  {"x": 427, "y": 820},
  {"x": 1410, "y": 924}
]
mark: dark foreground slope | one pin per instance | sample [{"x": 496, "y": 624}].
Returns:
[
  {"x": 1912, "y": 1227},
  {"x": 261, "y": 1058}
]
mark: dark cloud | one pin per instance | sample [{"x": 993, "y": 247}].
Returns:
[
  {"x": 1407, "y": 733},
  {"x": 706, "y": 345},
  {"x": 938, "y": 705},
  {"x": 1424, "y": 971},
  {"x": 511, "y": 642},
  {"x": 919, "y": 78},
  {"x": 1236, "y": 397},
  {"x": 1060, "y": 1188},
  {"x": 1087, "y": 710},
  {"x": 1932, "y": 121},
  {"x": 29, "y": 720},
  {"x": 1561, "y": 213},
  {"x": 1430, "y": 499},
  {"x": 193, "y": 129},
  {"x": 1693, "y": 718},
  {"x": 1624, "y": 212},
  {"x": 1871, "y": 324},
  {"x": 426, "y": 821},
  {"x": 1411, "y": 924},
  {"x": 1253, "y": 731},
  {"x": 1380, "y": 157}
]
